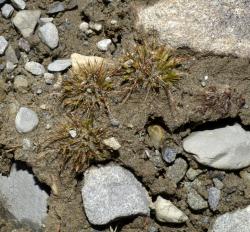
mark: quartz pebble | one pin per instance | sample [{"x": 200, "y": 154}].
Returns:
[
  {"x": 3, "y": 45},
  {"x": 112, "y": 143},
  {"x": 84, "y": 26},
  {"x": 104, "y": 44},
  {"x": 195, "y": 201},
  {"x": 24, "y": 45},
  {"x": 7, "y": 10},
  {"x": 35, "y": 68}
]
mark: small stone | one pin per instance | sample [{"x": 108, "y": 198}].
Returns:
[
  {"x": 112, "y": 192},
  {"x": 218, "y": 184},
  {"x": 48, "y": 33},
  {"x": 48, "y": 127},
  {"x": 49, "y": 78},
  {"x": 114, "y": 122},
  {"x": 7, "y": 10},
  {"x": 35, "y": 68},
  {"x": 43, "y": 21},
  {"x": 10, "y": 66},
  {"x": 157, "y": 135},
  {"x": 203, "y": 84},
  {"x": 43, "y": 106},
  {"x": 26, "y": 120},
  {"x": 56, "y": 7},
  {"x": 96, "y": 26},
  {"x": 104, "y": 44},
  {"x": 193, "y": 173},
  {"x": 27, "y": 145},
  {"x": 20, "y": 83},
  {"x": 10, "y": 55},
  {"x": 24, "y": 45},
  {"x": 166, "y": 211},
  {"x": 112, "y": 143},
  {"x": 168, "y": 154},
  {"x": 237, "y": 221},
  {"x": 113, "y": 22},
  {"x": 213, "y": 198},
  {"x": 84, "y": 26},
  {"x": 25, "y": 21},
  {"x": 59, "y": 65},
  {"x": 177, "y": 171},
  {"x": 72, "y": 133},
  {"x": 19, "y": 4},
  {"x": 195, "y": 201},
  {"x": 3, "y": 45},
  {"x": 39, "y": 91},
  {"x": 223, "y": 148}
]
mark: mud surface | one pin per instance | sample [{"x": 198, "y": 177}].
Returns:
[{"x": 228, "y": 81}]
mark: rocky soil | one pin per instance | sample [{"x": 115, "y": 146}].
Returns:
[{"x": 83, "y": 156}]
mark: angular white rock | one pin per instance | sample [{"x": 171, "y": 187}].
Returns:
[
  {"x": 48, "y": 33},
  {"x": 7, "y": 10},
  {"x": 166, "y": 211},
  {"x": 35, "y": 68},
  {"x": 224, "y": 148},
  {"x": 25, "y": 21},
  {"x": 104, "y": 44},
  {"x": 26, "y": 120},
  {"x": 112, "y": 192},
  {"x": 112, "y": 143},
  {"x": 59, "y": 65},
  {"x": 23, "y": 197},
  {"x": 237, "y": 221},
  {"x": 19, "y": 4},
  {"x": 3, "y": 45}
]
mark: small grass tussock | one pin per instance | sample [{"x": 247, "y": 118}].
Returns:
[
  {"x": 149, "y": 66},
  {"x": 87, "y": 87},
  {"x": 79, "y": 143}
]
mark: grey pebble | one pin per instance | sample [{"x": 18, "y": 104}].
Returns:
[
  {"x": 48, "y": 33},
  {"x": 35, "y": 68},
  {"x": 59, "y": 65},
  {"x": 168, "y": 154},
  {"x": 104, "y": 44},
  {"x": 7, "y": 10},
  {"x": 213, "y": 198},
  {"x": 3, "y": 45},
  {"x": 178, "y": 170},
  {"x": 24, "y": 45}
]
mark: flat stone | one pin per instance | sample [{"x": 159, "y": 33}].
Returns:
[
  {"x": 21, "y": 83},
  {"x": 177, "y": 171},
  {"x": 168, "y": 154},
  {"x": 35, "y": 68},
  {"x": 233, "y": 221},
  {"x": 25, "y": 21},
  {"x": 23, "y": 197},
  {"x": 19, "y": 4},
  {"x": 10, "y": 55},
  {"x": 213, "y": 198},
  {"x": 84, "y": 26},
  {"x": 26, "y": 120},
  {"x": 59, "y": 65},
  {"x": 195, "y": 201},
  {"x": 49, "y": 78},
  {"x": 166, "y": 211},
  {"x": 112, "y": 143},
  {"x": 193, "y": 173},
  {"x": 223, "y": 148},
  {"x": 104, "y": 44},
  {"x": 56, "y": 7},
  {"x": 112, "y": 192},
  {"x": 221, "y": 26},
  {"x": 7, "y": 10},
  {"x": 48, "y": 33},
  {"x": 3, "y": 45}
]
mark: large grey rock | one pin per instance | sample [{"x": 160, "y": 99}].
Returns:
[
  {"x": 7, "y": 10},
  {"x": 112, "y": 192},
  {"x": 59, "y": 65},
  {"x": 223, "y": 148},
  {"x": 26, "y": 120},
  {"x": 48, "y": 33},
  {"x": 23, "y": 196},
  {"x": 25, "y": 21},
  {"x": 35, "y": 68},
  {"x": 220, "y": 26},
  {"x": 3, "y": 45},
  {"x": 232, "y": 222}
]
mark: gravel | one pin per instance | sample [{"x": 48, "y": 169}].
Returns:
[
  {"x": 168, "y": 154},
  {"x": 48, "y": 33},
  {"x": 112, "y": 192},
  {"x": 195, "y": 201},
  {"x": 213, "y": 198},
  {"x": 24, "y": 45},
  {"x": 35, "y": 68},
  {"x": 26, "y": 120},
  {"x": 177, "y": 171}
]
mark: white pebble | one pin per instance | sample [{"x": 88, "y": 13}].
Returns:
[{"x": 104, "y": 44}]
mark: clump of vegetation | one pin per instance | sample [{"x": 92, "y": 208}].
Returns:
[
  {"x": 149, "y": 66},
  {"x": 219, "y": 100},
  {"x": 87, "y": 87},
  {"x": 78, "y": 143}
]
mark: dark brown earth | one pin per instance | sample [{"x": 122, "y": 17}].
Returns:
[{"x": 228, "y": 81}]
